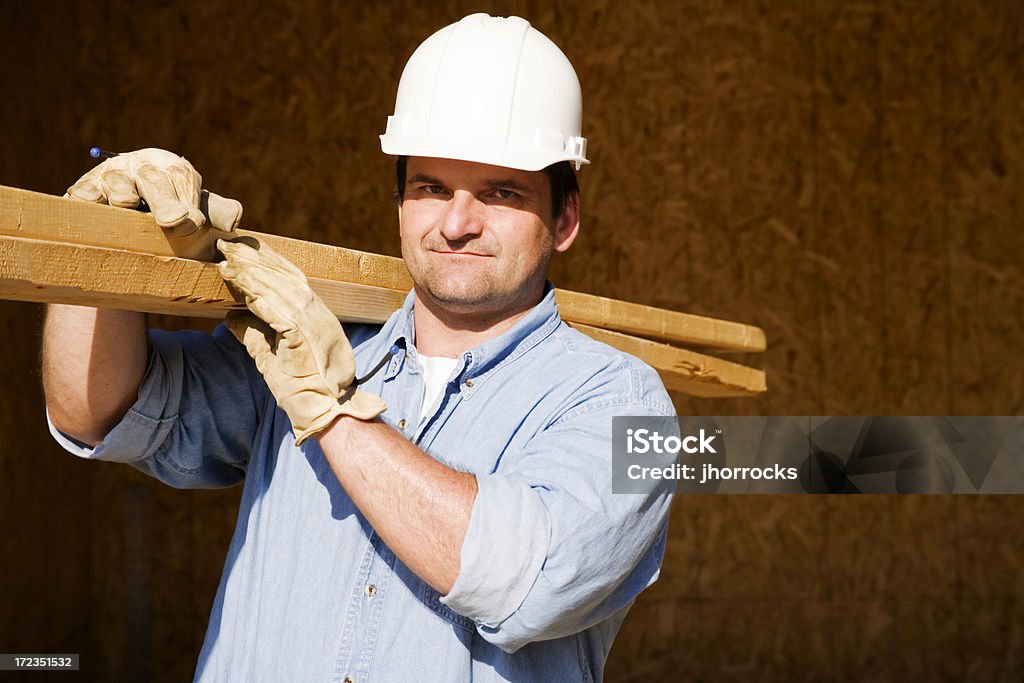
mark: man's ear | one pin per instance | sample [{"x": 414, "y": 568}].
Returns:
[{"x": 568, "y": 224}]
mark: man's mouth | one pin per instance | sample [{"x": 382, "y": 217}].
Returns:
[{"x": 461, "y": 253}]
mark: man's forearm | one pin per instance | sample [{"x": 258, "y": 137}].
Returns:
[
  {"x": 418, "y": 506},
  {"x": 93, "y": 361}
]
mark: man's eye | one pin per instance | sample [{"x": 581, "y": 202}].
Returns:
[
  {"x": 502, "y": 193},
  {"x": 433, "y": 189}
]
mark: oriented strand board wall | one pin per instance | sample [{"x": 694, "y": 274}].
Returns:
[{"x": 844, "y": 174}]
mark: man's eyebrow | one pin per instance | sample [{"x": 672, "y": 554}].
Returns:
[
  {"x": 508, "y": 184},
  {"x": 424, "y": 178}
]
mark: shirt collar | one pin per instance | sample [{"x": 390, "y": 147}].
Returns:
[{"x": 539, "y": 322}]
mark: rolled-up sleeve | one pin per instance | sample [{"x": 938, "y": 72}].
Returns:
[
  {"x": 201, "y": 441},
  {"x": 550, "y": 550}
]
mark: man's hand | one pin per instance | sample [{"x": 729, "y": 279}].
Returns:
[
  {"x": 297, "y": 343},
  {"x": 173, "y": 189}
]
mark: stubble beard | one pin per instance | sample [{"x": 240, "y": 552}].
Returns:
[{"x": 482, "y": 293}]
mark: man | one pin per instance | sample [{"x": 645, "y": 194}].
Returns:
[{"x": 451, "y": 519}]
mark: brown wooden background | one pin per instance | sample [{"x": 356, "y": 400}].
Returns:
[{"x": 845, "y": 174}]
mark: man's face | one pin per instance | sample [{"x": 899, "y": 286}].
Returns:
[{"x": 476, "y": 238}]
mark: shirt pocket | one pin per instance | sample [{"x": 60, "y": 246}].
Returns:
[{"x": 432, "y": 599}]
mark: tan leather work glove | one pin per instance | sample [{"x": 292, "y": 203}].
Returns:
[
  {"x": 173, "y": 189},
  {"x": 297, "y": 343}
]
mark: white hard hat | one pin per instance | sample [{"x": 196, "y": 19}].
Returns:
[{"x": 492, "y": 90}]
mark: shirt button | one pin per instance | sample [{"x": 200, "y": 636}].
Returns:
[
  {"x": 402, "y": 423},
  {"x": 469, "y": 383},
  {"x": 370, "y": 590}
]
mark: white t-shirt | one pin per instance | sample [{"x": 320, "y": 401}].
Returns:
[{"x": 436, "y": 371}]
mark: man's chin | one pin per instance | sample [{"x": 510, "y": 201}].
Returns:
[
  {"x": 477, "y": 296},
  {"x": 464, "y": 300}
]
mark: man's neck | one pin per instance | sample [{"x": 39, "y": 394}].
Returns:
[{"x": 443, "y": 333}]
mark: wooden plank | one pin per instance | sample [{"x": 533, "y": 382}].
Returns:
[
  {"x": 40, "y": 216},
  {"x": 55, "y": 272},
  {"x": 658, "y": 323},
  {"x": 683, "y": 370}
]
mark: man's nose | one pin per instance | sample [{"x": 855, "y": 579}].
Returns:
[{"x": 463, "y": 217}]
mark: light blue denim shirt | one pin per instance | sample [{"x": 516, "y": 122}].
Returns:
[{"x": 552, "y": 559}]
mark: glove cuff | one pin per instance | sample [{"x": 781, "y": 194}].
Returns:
[{"x": 360, "y": 404}]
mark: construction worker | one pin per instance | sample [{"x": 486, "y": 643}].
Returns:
[{"x": 451, "y": 518}]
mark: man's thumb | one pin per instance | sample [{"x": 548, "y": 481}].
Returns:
[{"x": 221, "y": 213}]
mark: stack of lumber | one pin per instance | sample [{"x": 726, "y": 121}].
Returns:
[{"x": 58, "y": 251}]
